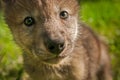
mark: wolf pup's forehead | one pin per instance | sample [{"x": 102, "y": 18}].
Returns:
[{"x": 29, "y": 5}]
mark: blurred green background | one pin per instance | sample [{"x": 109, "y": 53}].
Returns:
[{"x": 102, "y": 15}]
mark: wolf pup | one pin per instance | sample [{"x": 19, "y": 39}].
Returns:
[{"x": 56, "y": 45}]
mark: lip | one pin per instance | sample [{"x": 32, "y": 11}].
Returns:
[{"x": 53, "y": 60}]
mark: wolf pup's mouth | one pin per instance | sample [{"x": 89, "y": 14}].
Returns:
[{"x": 53, "y": 60}]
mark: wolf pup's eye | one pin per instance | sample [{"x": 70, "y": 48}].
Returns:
[
  {"x": 29, "y": 21},
  {"x": 64, "y": 15}
]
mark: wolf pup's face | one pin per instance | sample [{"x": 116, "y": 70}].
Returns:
[{"x": 45, "y": 28}]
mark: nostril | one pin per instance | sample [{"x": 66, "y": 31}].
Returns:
[
  {"x": 61, "y": 46},
  {"x": 51, "y": 48}
]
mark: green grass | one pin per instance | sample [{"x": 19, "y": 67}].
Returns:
[
  {"x": 102, "y": 16},
  {"x": 10, "y": 63}
]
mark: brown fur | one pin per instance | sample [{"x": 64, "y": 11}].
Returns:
[{"x": 84, "y": 57}]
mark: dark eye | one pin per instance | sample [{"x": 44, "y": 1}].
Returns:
[
  {"x": 64, "y": 15},
  {"x": 29, "y": 21}
]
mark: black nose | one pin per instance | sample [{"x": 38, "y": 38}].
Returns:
[{"x": 54, "y": 46}]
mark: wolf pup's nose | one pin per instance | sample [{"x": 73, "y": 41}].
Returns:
[{"x": 54, "y": 46}]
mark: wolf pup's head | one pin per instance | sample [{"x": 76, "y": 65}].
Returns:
[{"x": 45, "y": 28}]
